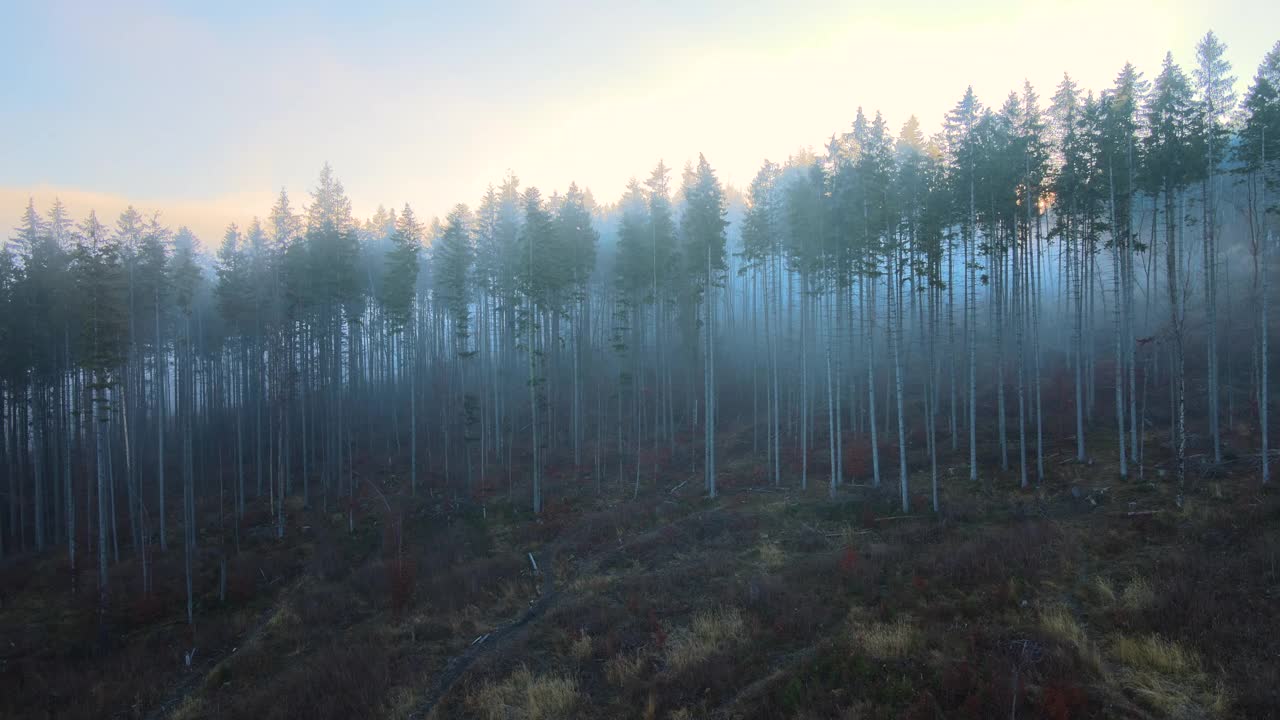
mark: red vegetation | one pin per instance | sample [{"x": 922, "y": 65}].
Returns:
[{"x": 848, "y": 560}]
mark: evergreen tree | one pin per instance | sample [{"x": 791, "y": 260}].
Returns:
[
  {"x": 100, "y": 285},
  {"x": 1215, "y": 99},
  {"x": 703, "y": 226},
  {"x": 1171, "y": 162}
]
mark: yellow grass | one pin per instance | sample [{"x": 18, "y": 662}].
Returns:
[
  {"x": 771, "y": 555},
  {"x": 885, "y": 640},
  {"x": 1103, "y": 589},
  {"x": 1152, "y": 652},
  {"x": 1137, "y": 594},
  {"x": 1167, "y": 677},
  {"x": 525, "y": 696},
  {"x": 592, "y": 583},
  {"x": 623, "y": 667},
  {"x": 580, "y": 648},
  {"x": 1059, "y": 622},
  {"x": 710, "y": 632}
]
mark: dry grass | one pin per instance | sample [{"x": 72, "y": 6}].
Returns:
[
  {"x": 711, "y": 631},
  {"x": 526, "y": 696},
  {"x": 1137, "y": 594},
  {"x": 771, "y": 555},
  {"x": 1153, "y": 652},
  {"x": 624, "y": 667},
  {"x": 1178, "y": 698},
  {"x": 459, "y": 621},
  {"x": 403, "y": 701},
  {"x": 1059, "y": 622},
  {"x": 284, "y": 619},
  {"x": 580, "y": 648},
  {"x": 884, "y": 640},
  {"x": 1105, "y": 592},
  {"x": 192, "y": 707},
  {"x": 1167, "y": 677},
  {"x": 591, "y": 584}
]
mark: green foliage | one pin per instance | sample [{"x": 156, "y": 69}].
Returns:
[
  {"x": 576, "y": 238},
  {"x": 1258, "y": 149},
  {"x": 760, "y": 226},
  {"x": 635, "y": 267},
  {"x": 1172, "y": 145},
  {"x": 234, "y": 290},
  {"x": 184, "y": 273},
  {"x": 452, "y": 257},
  {"x": 100, "y": 286},
  {"x": 543, "y": 275},
  {"x": 703, "y": 225},
  {"x": 401, "y": 281}
]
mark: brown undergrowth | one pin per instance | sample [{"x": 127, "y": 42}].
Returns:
[{"x": 1083, "y": 597}]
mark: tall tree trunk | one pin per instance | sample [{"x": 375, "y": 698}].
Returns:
[
  {"x": 895, "y": 322},
  {"x": 1118, "y": 293},
  {"x": 99, "y": 420},
  {"x": 1177, "y": 375},
  {"x": 711, "y": 381}
]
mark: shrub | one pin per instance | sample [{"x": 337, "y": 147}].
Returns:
[
  {"x": 343, "y": 679},
  {"x": 400, "y": 583}
]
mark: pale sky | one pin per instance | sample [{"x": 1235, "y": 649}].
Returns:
[{"x": 204, "y": 110}]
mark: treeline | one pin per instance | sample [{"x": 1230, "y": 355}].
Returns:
[{"x": 881, "y": 307}]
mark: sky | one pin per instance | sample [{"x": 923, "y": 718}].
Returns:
[{"x": 203, "y": 111}]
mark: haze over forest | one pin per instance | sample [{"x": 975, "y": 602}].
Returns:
[{"x": 985, "y": 322}]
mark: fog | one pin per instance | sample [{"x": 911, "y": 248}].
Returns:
[{"x": 891, "y": 309}]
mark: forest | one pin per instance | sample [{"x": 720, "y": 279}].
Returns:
[{"x": 973, "y": 372}]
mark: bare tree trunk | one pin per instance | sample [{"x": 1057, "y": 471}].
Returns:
[
  {"x": 711, "y": 381},
  {"x": 869, "y": 310},
  {"x": 1116, "y": 273},
  {"x": 99, "y": 420},
  {"x": 895, "y": 338},
  {"x": 831, "y": 415},
  {"x": 1178, "y": 371},
  {"x": 804, "y": 380},
  {"x": 1263, "y": 396},
  {"x": 971, "y": 326}
]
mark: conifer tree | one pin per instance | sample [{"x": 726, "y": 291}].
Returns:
[
  {"x": 1170, "y": 165},
  {"x": 703, "y": 226},
  {"x": 399, "y": 291},
  {"x": 1215, "y": 100}
]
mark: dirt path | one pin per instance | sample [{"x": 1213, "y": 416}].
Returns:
[
  {"x": 196, "y": 679},
  {"x": 548, "y": 594},
  {"x": 459, "y": 664},
  {"x": 753, "y": 691}
]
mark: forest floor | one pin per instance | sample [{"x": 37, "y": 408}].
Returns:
[{"x": 1085, "y": 596}]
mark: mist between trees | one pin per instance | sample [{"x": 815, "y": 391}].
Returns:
[{"x": 1088, "y": 266}]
